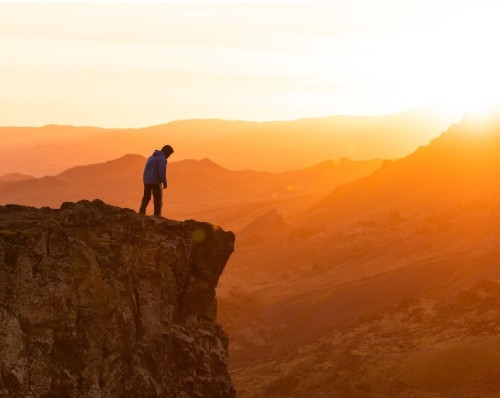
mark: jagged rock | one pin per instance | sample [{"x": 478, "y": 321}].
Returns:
[{"x": 98, "y": 301}]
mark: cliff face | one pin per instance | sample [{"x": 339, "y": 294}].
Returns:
[{"x": 97, "y": 301}]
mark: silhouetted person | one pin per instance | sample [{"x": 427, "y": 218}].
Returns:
[{"x": 155, "y": 174}]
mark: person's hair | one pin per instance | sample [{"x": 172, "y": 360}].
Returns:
[{"x": 167, "y": 150}]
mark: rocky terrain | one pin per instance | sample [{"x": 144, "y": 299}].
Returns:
[
  {"x": 422, "y": 348},
  {"x": 97, "y": 301}
]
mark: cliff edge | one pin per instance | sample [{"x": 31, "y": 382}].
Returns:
[{"x": 98, "y": 301}]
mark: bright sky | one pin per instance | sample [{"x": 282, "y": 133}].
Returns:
[{"x": 120, "y": 64}]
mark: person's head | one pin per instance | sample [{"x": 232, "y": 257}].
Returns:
[{"x": 167, "y": 150}]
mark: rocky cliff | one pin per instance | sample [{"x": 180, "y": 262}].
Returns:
[{"x": 97, "y": 301}]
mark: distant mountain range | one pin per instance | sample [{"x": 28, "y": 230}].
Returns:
[
  {"x": 270, "y": 146},
  {"x": 197, "y": 189}
]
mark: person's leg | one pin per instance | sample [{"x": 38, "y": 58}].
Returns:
[
  {"x": 158, "y": 198},
  {"x": 146, "y": 198}
]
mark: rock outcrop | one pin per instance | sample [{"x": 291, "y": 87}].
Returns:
[{"x": 98, "y": 301}]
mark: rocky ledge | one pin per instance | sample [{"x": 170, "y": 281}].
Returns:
[{"x": 98, "y": 301}]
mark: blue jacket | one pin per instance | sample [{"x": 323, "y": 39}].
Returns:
[{"x": 155, "y": 170}]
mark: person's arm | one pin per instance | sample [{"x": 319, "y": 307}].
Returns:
[{"x": 162, "y": 172}]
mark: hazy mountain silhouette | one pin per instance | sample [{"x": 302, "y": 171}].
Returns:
[
  {"x": 15, "y": 177},
  {"x": 197, "y": 189},
  {"x": 425, "y": 225},
  {"x": 269, "y": 223},
  {"x": 271, "y": 146}
]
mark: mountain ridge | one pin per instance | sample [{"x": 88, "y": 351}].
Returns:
[
  {"x": 452, "y": 164},
  {"x": 274, "y": 146},
  {"x": 197, "y": 188}
]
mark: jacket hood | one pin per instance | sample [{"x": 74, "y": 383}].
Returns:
[{"x": 158, "y": 153}]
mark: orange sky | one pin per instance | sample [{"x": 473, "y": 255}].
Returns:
[{"x": 134, "y": 64}]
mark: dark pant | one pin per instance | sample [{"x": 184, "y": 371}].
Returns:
[{"x": 157, "y": 198}]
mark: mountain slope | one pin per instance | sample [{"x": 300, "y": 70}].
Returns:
[
  {"x": 421, "y": 348},
  {"x": 462, "y": 161}
]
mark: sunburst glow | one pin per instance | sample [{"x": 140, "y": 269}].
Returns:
[{"x": 115, "y": 64}]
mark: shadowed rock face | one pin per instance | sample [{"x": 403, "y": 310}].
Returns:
[{"x": 97, "y": 301}]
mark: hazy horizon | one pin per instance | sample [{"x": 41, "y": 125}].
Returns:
[
  {"x": 444, "y": 115},
  {"x": 281, "y": 145}
]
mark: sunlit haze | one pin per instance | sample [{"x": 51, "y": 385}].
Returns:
[{"x": 137, "y": 64}]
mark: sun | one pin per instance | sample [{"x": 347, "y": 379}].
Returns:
[
  {"x": 478, "y": 106},
  {"x": 467, "y": 64},
  {"x": 450, "y": 63}
]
